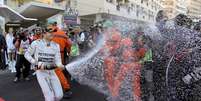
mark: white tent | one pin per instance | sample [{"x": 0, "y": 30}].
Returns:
[
  {"x": 40, "y": 11},
  {"x": 11, "y": 15}
]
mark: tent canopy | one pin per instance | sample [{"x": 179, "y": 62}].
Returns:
[
  {"x": 39, "y": 11},
  {"x": 12, "y": 15}
]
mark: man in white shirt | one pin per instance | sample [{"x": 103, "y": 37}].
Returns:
[{"x": 10, "y": 50}]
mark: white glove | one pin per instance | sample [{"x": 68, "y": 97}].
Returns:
[
  {"x": 40, "y": 66},
  {"x": 187, "y": 79},
  {"x": 62, "y": 67},
  {"x": 33, "y": 61}
]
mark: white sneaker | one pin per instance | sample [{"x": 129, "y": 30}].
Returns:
[
  {"x": 16, "y": 80},
  {"x": 27, "y": 79}
]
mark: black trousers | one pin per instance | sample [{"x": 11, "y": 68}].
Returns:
[
  {"x": 177, "y": 89},
  {"x": 2, "y": 60},
  {"x": 147, "y": 85},
  {"x": 22, "y": 62},
  {"x": 159, "y": 80}
]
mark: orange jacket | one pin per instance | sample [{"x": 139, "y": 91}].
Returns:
[{"x": 62, "y": 39}]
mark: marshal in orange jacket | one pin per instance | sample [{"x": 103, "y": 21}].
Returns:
[{"x": 62, "y": 39}]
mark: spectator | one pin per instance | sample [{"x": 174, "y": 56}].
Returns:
[
  {"x": 37, "y": 33},
  {"x": 82, "y": 40},
  {"x": 2, "y": 51},
  {"x": 22, "y": 42},
  {"x": 183, "y": 20},
  {"x": 159, "y": 61},
  {"x": 74, "y": 36},
  {"x": 11, "y": 50},
  {"x": 61, "y": 38},
  {"x": 197, "y": 27}
]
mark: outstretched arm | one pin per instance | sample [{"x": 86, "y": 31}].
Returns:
[
  {"x": 30, "y": 52},
  {"x": 58, "y": 58}
]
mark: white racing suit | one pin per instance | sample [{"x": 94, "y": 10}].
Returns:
[{"x": 47, "y": 54}]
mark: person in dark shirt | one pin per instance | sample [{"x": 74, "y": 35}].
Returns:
[{"x": 2, "y": 52}]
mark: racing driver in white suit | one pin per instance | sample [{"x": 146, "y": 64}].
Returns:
[{"x": 45, "y": 55}]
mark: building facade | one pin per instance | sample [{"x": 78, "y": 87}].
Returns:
[
  {"x": 194, "y": 8},
  {"x": 16, "y": 4},
  {"x": 2, "y": 20},
  {"x": 92, "y": 11},
  {"x": 175, "y": 7}
]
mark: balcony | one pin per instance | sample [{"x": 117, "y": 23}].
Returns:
[{"x": 131, "y": 11}]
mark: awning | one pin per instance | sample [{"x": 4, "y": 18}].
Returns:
[
  {"x": 12, "y": 15},
  {"x": 39, "y": 11}
]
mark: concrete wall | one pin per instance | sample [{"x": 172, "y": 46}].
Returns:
[
  {"x": 87, "y": 7},
  {"x": 194, "y": 7}
]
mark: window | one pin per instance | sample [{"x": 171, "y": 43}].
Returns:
[{"x": 110, "y": 1}]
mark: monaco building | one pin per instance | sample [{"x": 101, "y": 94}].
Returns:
[
  {"x": 92, "y": 11},
  {"x": 175, "y": 7},
  {"x": 194, "y": 8},
  {"x": 87, "y": 11}
]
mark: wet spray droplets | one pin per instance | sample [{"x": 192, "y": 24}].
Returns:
[{"x": 114, "y": 66}]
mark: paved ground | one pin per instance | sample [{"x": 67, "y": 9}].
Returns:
[{"x": 30, "y": 91}]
